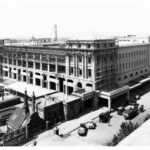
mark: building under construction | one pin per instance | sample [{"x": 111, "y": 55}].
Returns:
[{"x": 94, "y": 70}]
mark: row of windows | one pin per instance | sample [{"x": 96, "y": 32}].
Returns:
[
  {"x": 101, "y": 45},
  {"x": 131, "y": 75},
  {"x": 80, "y": 59},
  {"x": 131, "y": 54},
  {"x": 132, "y": 64},
  {"x": 89, "y": 73}
]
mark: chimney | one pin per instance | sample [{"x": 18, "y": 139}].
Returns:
[
  {"x": 55, "y": 39},
  {"x": 26, "y": 106},
  {"x": 33, "y": 103}
]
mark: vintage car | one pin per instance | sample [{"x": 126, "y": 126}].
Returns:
[
  {"x": 130, "y": 113},
  {"x": 82, "y": 131},
  {"x": 141, "y": 108},
  {"x": 91, "y": 125},
  {"x": 104, "y": 117},
  {"x": 120, "y": 110}
]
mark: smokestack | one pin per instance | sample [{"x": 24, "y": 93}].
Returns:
[
  {"x": 26, "y": 106},
  {"x": 55, "y": 39},
  {"x": 33, "y": 103}
]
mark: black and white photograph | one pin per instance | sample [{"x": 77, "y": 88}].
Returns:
[{"x": 74, "y": 73}]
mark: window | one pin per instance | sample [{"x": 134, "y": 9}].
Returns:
[
  {"x": 89, "y": 73},
  {"x": 10, "y": 61},
  {"x": 15, "y": 62},
  {"x": 24, "y": 64},
  {"x": 89, "y": 60},
  {"x": 125, "y": 77},
  {"x": 80, "y": 58},
  {"x": 44, "y": 57},
  {"x": 19, "y": 62},
  {"x": 44, "y": 67},
  {"x": 131, "y": 75},
  {"x": 79, "y": 45},
  {"x": 30, "y": 64},
  {"x": 37, "y": 56},
  {"x": 70, "y": 45},
  {"x": 120, "y": 56},
  {"x": 52, "y": 68},
  {"x": 71, "y": 58},
  {"x": 37, "y": 65},
  {"x": 30, "y": 56},
  {"x": 80, "y": 72},
  {"x": 97, "y": 46},
  {"x": 71, "y": 70},
  {"x": 119, "y": 79},
  {"x": 61, "y": 69},
  {"x": 88, "y": 45}
]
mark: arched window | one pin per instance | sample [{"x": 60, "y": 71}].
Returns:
[
  {"x": 125, "y": 77},
  {"x": 89, "y": 85},
  {"x": 131, "y": 75},
  {"x": 79, "y": 85},
  {"x": 119, "y": 79},
  {"x": 69, "y": 81}
]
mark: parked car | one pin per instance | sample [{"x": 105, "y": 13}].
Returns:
[
  {"x": 120, "y": 110},
  {"x": 141, "y": 108},
  {"x": 82, "y": 131},
  {"x": 130, "y": 113},
  {"x": 91, "y": 125},
  {"x": 104, "y": 117}
]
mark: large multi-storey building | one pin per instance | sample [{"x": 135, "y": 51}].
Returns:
[{"x": 98, "y": 66}]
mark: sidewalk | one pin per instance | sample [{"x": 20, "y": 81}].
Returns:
[{"x": 71, "y": 125}]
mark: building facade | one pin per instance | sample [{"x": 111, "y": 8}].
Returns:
[
  {"x": 133, "y": 62},
  {"x": 93, "y": 65}
]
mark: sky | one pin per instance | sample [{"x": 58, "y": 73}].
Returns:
[{"x": 76, "y": 19}]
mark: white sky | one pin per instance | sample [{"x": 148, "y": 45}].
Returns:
[{"x": 74, "y": 18}]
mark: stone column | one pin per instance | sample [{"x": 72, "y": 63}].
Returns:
[
  {"x": 65, "y": 111},
  {"x": 48, "y": 83},
  {"x": 95, "y": 99},
  {"x": 33, "y": 78},
  {"x": 128, "y": 95},
  {"x": 109, "y": 103},
  {"x": 85, "y": 67},
  {"x": 27, "y": 77},
  {"x": 56, "y": 64},
  {"x": 57, "y": 86},
  {"x": 94, "y": 68},
  {"x": 77, "y": 72},
  {"x": 67, "y": 65},
  {"x": 75, "y": 65}
]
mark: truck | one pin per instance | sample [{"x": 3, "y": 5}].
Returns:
[{"x": 130, "y": 113}]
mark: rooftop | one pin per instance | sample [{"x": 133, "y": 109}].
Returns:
[
  {"x": 21, "y": 86},
  {"x": 63, "y": 97}
]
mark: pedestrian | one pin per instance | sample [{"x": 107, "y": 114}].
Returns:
[{"x": 34, "y": 141}]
